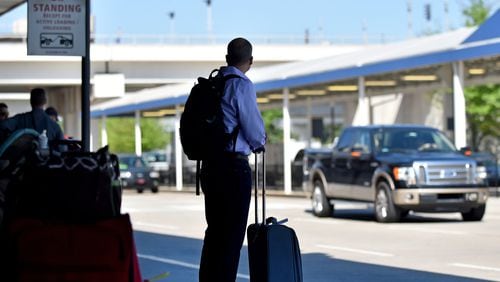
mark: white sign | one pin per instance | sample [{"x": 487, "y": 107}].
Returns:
[{"x": 56, "y": 27}]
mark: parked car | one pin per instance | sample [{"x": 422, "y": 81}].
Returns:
[
  {"x": 399, "y": 168},
  {"x": 137, "y": 174},
  {"x": 160, "y": 162}
]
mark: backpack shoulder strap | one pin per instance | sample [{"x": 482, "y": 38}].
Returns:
[{"x": 229, "y": 76}]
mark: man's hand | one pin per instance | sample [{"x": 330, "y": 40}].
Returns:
[{"x": 259, "y": 150}]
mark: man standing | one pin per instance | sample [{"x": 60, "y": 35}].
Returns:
[
  {"x": 37, "y": 119},
  {"x": 226, "y": 179}
]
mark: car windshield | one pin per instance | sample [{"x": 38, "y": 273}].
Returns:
[
  {"x": 411, "y": 139},
  {"x": 134, "y": 162},
  {"x": 155, "y": 157}
]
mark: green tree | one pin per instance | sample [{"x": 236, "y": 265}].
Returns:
[
  {"x": 274, "y": 133},
  {"x": 476, "y": 13},
  {"x": 483, "y": 112},
  {"x": 121, "y": 134},
  {"x": 483, "y": 101}
]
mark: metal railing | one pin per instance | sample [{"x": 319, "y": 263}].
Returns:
[{"x": 204, "y": 39}]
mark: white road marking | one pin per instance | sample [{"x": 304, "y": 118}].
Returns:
[
  {"x": 145, "y": 224},
  {"x": 355, "y": 251},
  {"x": 182, "y": 263},
  {"x": 282, "y": 206},
  {"x": 318, "y": 221},
  {"x": 427, "y": 230},
  {"x": 476, "y": 267}
]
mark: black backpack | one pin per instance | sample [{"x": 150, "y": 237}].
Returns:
[{"x": 202, "y": 127}]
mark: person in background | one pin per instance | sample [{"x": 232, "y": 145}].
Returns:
[
  {"x": 52, "y": 113},
  {"x": 36, "y": 119},
  {"x": 4, "y": 111},
  {"x": 226, "y": 178}
]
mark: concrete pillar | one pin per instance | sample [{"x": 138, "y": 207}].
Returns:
[
  {"x": 459, "y": 115},
  {"x": 104, "y": 132},
  {"x": 362, "y": 115},
  {"x": 309, "y": 121},
  {"x": 138, "y": 139},
  {"x": 95, "y": 134},
  {"x": 287, "y": 168},
  {"x": 178, "y": 149}
]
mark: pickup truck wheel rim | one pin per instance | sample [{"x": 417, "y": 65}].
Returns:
[
  {"x": 382, "y": 204},
  {"x": 318, "y": 199}
]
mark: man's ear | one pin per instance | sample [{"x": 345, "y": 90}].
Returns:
[{"x": 251, "y": 60}]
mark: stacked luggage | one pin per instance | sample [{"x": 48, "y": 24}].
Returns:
[{"x": 61, "y": 214}]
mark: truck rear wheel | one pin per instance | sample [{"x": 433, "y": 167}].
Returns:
[
  {"x": 321, "y": 206},
  {"x": 385, "y": 210},
  {"x": 475, "y": 214}
]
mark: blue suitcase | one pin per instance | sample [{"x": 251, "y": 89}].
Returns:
[{"x": 273, "y": 248}]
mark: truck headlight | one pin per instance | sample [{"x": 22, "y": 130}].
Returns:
[
  {"x": 125, "y": 174},
  {"x": 406, "y": 174},
  {"x": 154, "y": 174},
  {"x": 481, "y": 172}
]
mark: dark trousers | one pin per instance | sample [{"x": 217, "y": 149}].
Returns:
[{"x": 226, "y": 184}]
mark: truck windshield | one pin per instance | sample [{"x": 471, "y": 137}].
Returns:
[{"x": 411, "y": 139}]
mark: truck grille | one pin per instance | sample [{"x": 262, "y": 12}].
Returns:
[{"x": 445, "y": 173}]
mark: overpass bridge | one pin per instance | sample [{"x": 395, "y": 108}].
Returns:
[{"x": 118, "y": 69}]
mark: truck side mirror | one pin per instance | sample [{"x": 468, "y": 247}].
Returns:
[
  {"x": 356, "y": 152},
  {"x": 467, "y": 151}
]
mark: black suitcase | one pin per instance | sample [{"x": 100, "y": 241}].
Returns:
[{"x": 273, "y": 248}]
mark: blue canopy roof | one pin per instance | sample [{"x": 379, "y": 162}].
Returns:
[
  {"x": 488, "y": 30},
  {"x": 459, "y": 45}
]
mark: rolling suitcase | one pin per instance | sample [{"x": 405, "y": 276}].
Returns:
[{"x": 273, "y": 248}]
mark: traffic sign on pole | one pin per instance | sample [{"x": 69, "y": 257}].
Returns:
[{"x": 56, "y": 27}]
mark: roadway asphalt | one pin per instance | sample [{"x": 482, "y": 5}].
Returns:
[{"x": 349, "y": 246}]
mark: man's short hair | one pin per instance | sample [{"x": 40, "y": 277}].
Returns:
[
  {"x": 238, "y": 51},
  {"x": 38, "y": 98}
]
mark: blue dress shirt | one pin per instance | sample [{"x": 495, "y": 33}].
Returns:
[{"x": 239, "y": 106}]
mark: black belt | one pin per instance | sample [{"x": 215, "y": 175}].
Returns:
[{"x": 238, "y": 156}]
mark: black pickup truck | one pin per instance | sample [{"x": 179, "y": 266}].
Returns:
[{"x": 399, "y": 168}]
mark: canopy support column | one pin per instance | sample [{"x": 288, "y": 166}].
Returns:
[
  {"x": 138, "y": 139},
  {"x": 287, "y": 169},
  {"x": 309, "y": 122},
  {"x": 104, "y": 132},
  {"x": 178, "y": 149},
  {"x": 459, "y": 113},
  {"x": 362, "y": 116}
]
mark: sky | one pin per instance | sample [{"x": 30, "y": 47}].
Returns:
[{"x": 329, "y": 19}]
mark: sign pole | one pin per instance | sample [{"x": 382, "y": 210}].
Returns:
[{"x": 86, "y": 82}]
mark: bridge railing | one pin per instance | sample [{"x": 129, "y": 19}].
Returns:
[{"x": 203, "y": 39}]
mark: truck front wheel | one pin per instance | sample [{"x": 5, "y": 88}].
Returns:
[
  {"x": 385, "y": 210},
  {"x": 475, "y": 214},
  {"x": 321, "y": 206}
]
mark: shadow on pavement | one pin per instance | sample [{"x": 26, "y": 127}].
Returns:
[
  {"x": 321, "y": 268},
  {"x": 367, "y": 214},
  {"x": 159, "y": 253}
]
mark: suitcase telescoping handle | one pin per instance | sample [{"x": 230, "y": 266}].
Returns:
[{"x": 263, "y": 187}]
